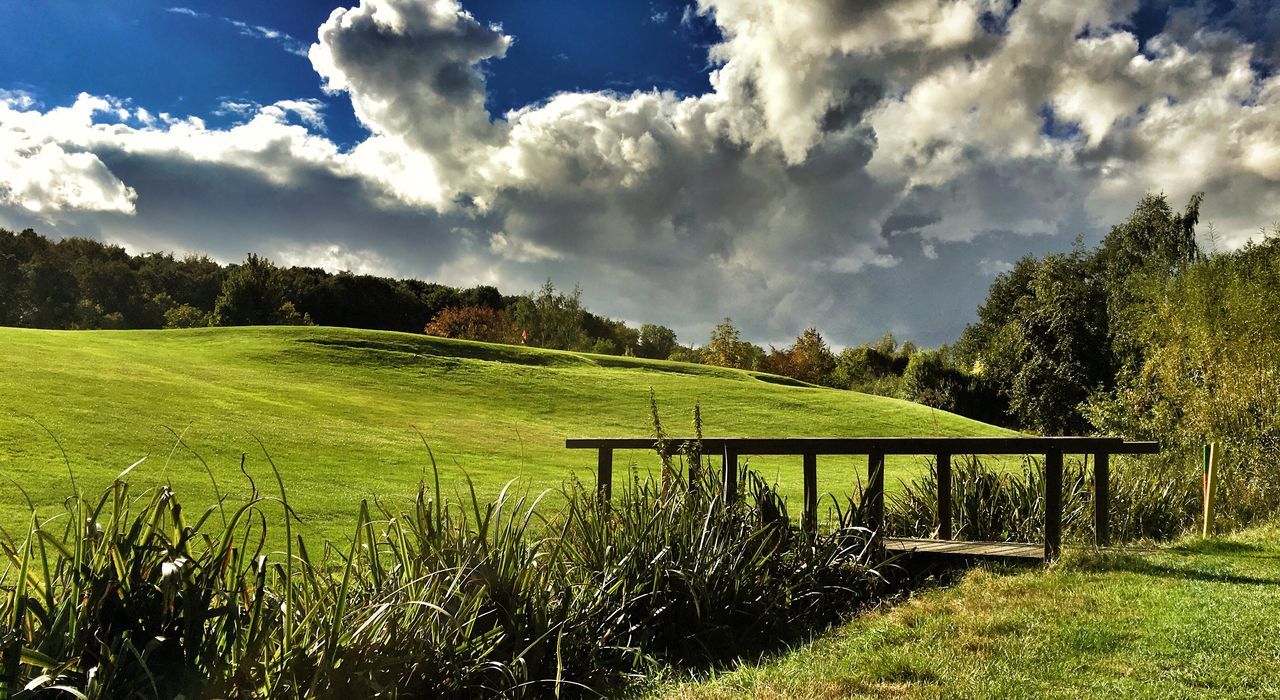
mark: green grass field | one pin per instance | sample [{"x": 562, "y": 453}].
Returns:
[
  {"x": 1196, "y": 620},
  {"x": 338, "y": 410}
]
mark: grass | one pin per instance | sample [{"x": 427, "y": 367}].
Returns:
[
  {"x": 339, "y": 411},
  {"x": 1194, "y": 620},
  {"x": 129, "y": 596}
]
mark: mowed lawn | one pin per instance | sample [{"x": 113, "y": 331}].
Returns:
[
  {"x": 340, "y": 411},
  {"x": 1196, "y": 620}
]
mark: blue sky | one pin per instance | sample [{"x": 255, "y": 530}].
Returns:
[
  {"x": 188, "y": 63},
  {"x": 862, "y": 167}
]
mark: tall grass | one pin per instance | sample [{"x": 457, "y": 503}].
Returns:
[
  {"x": 1147, "y": 502},
  {"x": 131, "y": 596}
]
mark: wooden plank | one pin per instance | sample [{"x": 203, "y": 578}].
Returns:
[
  {"x": 944, "y": 496},
  {"x": 810, "y": 521},
  {"x": 883, "y": 445},
  {"x": 953, "y": 548},
  {"x": 1102, "y": 499},
  {"x": 1052, "y": 505},
  {"x": 875, "y": 492},
  {"x": 604, "y": 473}
]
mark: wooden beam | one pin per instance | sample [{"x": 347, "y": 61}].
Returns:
[
  {"x": 875, "y": 492},
  {"x": 883, "y": 445},
  {"x": 944, "y": 496},
  {"x": 1102, "y": 499},
  {"x": 1052, "y": 505},
  {"x": 810, "y": 521}
]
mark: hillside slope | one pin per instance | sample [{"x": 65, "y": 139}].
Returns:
[{"x": 339, "y": 410}]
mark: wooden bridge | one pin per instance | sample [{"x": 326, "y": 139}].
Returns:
[{"x": 876, "y": 448}]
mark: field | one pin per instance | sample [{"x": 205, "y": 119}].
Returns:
[
  {"x": 1194, "y": 620},
  {"x": 340, "y": 412}
]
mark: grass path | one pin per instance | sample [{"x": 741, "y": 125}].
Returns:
[
  {"x": 1198, "y": 620},
  {"x": 338, "y": 410}
]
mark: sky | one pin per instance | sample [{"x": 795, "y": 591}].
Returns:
[{"x": 859, "y": 167}]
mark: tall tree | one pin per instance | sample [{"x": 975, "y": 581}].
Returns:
[
  {"x": 254, "y": 294},
  {"x": 656, "y": 342}
]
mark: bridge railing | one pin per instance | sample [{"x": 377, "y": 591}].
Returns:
[{"x": 942, "y": 449}]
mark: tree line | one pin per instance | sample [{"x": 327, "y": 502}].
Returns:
[{"x": 1096, "y": 339}]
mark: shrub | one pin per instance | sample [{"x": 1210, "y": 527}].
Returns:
[{"x": 473, "y": 323}]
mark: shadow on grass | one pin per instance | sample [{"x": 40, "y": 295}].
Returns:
[
  {"x": 1143, "y": 566},
  {"x": 1227, "y": 547}
]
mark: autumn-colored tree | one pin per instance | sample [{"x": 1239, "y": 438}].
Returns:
[
  {"x": 473, "y": 323},
  {"x": 809, "y": 359},
  {"x": 727, "y": 349}
]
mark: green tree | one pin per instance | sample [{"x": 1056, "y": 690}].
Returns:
[
  {"x": 551, "y": 319},
  {"x": 656, "y": 342},
  {"x": 254, "y": 294}
]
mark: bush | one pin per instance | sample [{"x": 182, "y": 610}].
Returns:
[{"x": 473, "y": 323}]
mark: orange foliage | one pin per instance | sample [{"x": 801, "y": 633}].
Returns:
[{"x": 473, "y": 323}]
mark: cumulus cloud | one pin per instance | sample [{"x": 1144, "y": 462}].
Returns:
[{"x": 859, "y": 166}]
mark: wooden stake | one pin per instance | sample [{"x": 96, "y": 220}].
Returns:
[{"x": 1210, "y": 485}]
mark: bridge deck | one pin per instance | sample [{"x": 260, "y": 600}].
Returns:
[{"x": 948, "y": 549}]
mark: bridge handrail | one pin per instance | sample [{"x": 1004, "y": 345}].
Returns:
[{"x": 876, "y": 448}]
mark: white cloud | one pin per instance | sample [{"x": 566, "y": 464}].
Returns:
[
  {"x": 860, "y": 166},
  {"x": 255, "y": 31}
]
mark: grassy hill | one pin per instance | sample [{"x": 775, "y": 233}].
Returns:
[
  {"x": 338, "y": 410},
  {"x": 1194, "y": 620}
]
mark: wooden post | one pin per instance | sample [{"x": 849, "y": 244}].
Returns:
[
  {"x": 1052, "y": 505},
  {"x": 875, "y": 491},
  {"x": 810, "y": 521},
  {"x": 694, "y": 457},
  {"x": 1210, "y": 486},
  {"x": 944, "y": 496},
  {"x": 1101, "y": 499},
  {"x": 730, "y": 474},
  {"x": 604, "y": 473}
]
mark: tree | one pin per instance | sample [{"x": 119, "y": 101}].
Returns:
[
  {"x": 50, "y": 295},
  {"x": 656, "y": 342},
  {"x": 473, "y": 323},
  {"x": 551, "y": 319},
  {"x": 253, "y": 295},
  {"x": 809, "y": 359},
  {"x": 1054, "y": 331},
  {"x": 727, "y": 349}
]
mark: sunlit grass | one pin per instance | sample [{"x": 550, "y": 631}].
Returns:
[
  {"x": 1193, "y": 620},
  {"x": 341, "y": 411}
]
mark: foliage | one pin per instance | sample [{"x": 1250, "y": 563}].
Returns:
[
  {"x": 809, "y": 359},
  {"x": 131, "y": 596},
  {"x": 656, "y": 342},
  {"x": 551, "y": 319},
  {"x": 873, "y": 368},
  {"x": 254, "y": 294},
  {"x": 996, "y": 505},
  {"x": 1056, "y": 330},
  {"x": 1209, "y": 372},
  {"x": 727, "y": 348},
  {"x": 473, "y": 323}
]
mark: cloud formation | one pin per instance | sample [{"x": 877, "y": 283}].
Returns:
[{"x": 858, "y": 166}]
